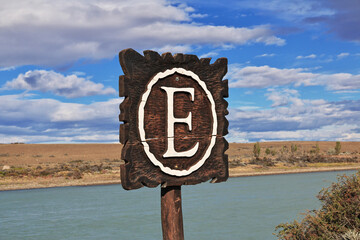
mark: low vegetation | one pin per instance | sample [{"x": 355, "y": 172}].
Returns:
[
  {"x": 337, "y": 219},
  {"x": 337, "y": 148},
  {"x": 257, "y": 150},
  {"x": 74, "y": 169},
  {"x": 294, "y": 155},
  {"x": 54, "y": 164}
]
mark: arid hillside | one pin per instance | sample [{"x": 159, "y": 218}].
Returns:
[
  {"x": 32, "y": 154},
  {"x": 47, "y": 165}
]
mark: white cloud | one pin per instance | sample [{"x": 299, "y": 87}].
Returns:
[
  {"x": 343, "y": 55},
  {"x": 80, "y": 112},
  {"x": 40, "y": 33},
  {"x": 209, "y": 54},
  {"x": 21, "y": 108},
  {"x": 175, "y": 49},
  {"x": 282, "y": 98},
  {"x": 247, "y": 108},
  {"x": 70, "y": 86},
  {"x": 265, "y": 76},
  {"x": 266, "y": 55},
  {"x": 293, "y": 118},
  {"x": 24, "y": 119},
  {"x": 7, "y": 69},
  {"x": 93, "y": 136},
  {"x": 347, "y": 92},
  {"x": 198, "y": 15},
  {"x": 306, "y": 57},
  {"x": 289, "y": 10},
  {"x": 335, "y": 132}
]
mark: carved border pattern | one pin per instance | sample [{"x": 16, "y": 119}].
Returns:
[{"x": 139, "y": 70}]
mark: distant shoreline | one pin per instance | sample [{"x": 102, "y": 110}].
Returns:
[
  {"x": 30, "y": 185},
  {"x": 312, "y": 170}
]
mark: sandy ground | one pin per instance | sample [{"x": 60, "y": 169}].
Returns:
[{"x": 40, "y": 157}]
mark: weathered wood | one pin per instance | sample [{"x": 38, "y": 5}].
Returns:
[
  {"x": 122, "y": 86},
  {"x": 147, "y": 175},
  {"x": 140, "y": 71},
  {"x": 171, "y": 213}
]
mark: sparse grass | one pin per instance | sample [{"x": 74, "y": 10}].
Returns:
[
  {"x": 74, "y": 169},
  {"x": 77, "y": 161},
  {"x": 96, "y": 160},
  {"x": 337, "y": 164}
]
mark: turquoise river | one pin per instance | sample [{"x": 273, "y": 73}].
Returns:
[{"x": 241, "y": 208}]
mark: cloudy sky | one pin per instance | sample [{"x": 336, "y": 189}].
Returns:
[{"x": 294, "y": 65}]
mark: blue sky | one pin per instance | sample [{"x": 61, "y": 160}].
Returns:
[{"x": 294, "y": 66}]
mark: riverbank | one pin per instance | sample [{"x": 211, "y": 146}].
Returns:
[
  {"x": 28, "y": 166},
  {"x": 235, "y": 173},
  {"x": 108, "y": 179}
]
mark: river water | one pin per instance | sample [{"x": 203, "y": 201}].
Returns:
[{"x": 241, "y": 208}]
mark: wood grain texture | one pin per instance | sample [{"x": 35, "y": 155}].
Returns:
[
  {"x": 171, "y": 213},
  {"x": 138, "y": 170}
]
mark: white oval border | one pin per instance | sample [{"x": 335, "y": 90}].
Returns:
[{"x": 157, "y": 77}]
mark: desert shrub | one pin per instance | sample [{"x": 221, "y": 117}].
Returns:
[
  {"x": 96, "y": 168},
  {"x": 331, "y": 151},
  {"x": 45, "y": 172},
  {"x": 266, "y": 162},
  {"x": 317, "y": 149},
  {"x": 108, "y": 167},
  {"x": 77, "y": 161},
  {"x": 284, "y": 149},
  {"x": 75, "y": 174},
  {"x": 267, "y": 151},
  {"x": 256, "y": 150},
  {"x": 338, "y": 218},
  {"x": 236, "y": 163},
  {"x": 312, "y": 151},
  {"x": 337, "y": 148},
  {"x": 293, "y": 148},
  {"x": 64, "y": 167},
  {"x": 273, "y": 152},
  {"x": 15, "y": 172},
  {"x": 302, "y": 164}
]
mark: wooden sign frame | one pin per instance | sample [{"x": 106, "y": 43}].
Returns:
[{"x": 146, "y": 99}]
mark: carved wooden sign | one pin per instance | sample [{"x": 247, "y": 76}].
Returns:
[{"x": 174, "y": 119}]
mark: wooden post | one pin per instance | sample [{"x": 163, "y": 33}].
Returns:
[{"x": 171, "y": 213}]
